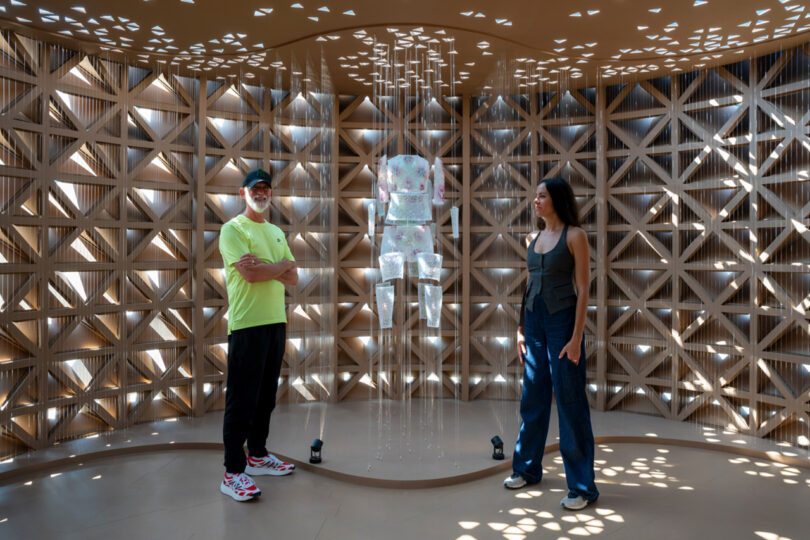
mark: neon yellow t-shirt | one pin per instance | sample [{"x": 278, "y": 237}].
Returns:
[{"x": 253, "y": 304}]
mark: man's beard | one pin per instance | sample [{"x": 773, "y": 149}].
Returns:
[{"x": 256, "y": 206}]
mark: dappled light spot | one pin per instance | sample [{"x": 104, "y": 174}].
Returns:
[
  {"x": 770, "y": 536},
  {"x": 575, "y": 524},
  {"x": 763, "y": 469},
  {"x": 650, "y": 468},
  {"x": 527, "y": 524}
]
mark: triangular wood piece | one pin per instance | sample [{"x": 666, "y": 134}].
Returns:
[
  {"x": 713, "y": 87},
  {"x": 499, "y": 111},
  {"x": 638, "y": 99},
  {"x": 713, "y": 250},
  {"x": 568, "y": 107},
  {"x": 796, "y": 69}
]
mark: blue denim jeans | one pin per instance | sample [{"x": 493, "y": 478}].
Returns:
[{"x": 546, "y": 334}]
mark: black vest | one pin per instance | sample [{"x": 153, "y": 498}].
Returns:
[{"x": 551, "y": 276}]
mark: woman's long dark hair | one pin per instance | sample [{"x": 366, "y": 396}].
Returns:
[{"x": 565, "y": 204}]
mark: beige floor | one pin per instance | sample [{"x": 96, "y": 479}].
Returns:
[
  {"x": 648, "y": 491},
  {"x": 651, "y": 485}
]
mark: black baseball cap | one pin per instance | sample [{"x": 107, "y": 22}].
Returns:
[{"x": 255, "y": 177}]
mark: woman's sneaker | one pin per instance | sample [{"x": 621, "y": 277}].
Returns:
[
  {"x": 514, "y": 482},
  {"x": 268, "y": 464},
  {"x": 239, "y": 486},
  {"x": 574, "y": 501}
]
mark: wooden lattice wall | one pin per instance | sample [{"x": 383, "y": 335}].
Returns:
[
  {"x": 694, "y": 190},
  {"x": 116, "y": 181}
]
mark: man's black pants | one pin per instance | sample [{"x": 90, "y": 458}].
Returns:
[{"x": 254, "y": 364}]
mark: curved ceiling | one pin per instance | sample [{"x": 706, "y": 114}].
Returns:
[{"x": 447, "y": 47}]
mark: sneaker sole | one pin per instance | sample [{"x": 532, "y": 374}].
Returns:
[
  {"x": 241, "y": 498},
  {"x": 264, "y": 471}
]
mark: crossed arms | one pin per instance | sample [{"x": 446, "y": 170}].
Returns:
[{"x": 255, "y": 271}]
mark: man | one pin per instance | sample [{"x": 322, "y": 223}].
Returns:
[{"x": 258, "y": 264}]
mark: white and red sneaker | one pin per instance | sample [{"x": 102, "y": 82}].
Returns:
[
  {"x": 268, "y": 464},
  {"x": 239, "y": 486}
]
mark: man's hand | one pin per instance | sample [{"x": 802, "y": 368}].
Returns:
[{"x": 247, "y": 260}]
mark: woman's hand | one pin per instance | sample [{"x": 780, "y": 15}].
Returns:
[
  {"x": 572, "y": 349},
  {"x": 521, "y": 343}
]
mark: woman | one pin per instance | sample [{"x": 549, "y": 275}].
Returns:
[{"x": 552, "y": 347}]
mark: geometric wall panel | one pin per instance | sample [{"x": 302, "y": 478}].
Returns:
[{"x": 694, "y": 190}]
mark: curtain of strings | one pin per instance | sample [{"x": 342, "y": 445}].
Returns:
[
  {"x": 783, "y": 244},
  {"x": 499, "y": 164},
  {"x": 415, "y": 84},
  {"x": 304, "y": 207},
  {"x": 22, "y": 407},
  {"x": 159, "y": 189}
]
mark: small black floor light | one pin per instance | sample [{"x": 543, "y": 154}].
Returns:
[
  {"x": 315, "y": 451},
  {"x": 497, "y": 448}
]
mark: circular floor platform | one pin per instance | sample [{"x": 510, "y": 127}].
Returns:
[
  {"x": 647, "y": 491},
  {"x": 658, "y": 479},
  {"x": 403, "y": 444}
]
